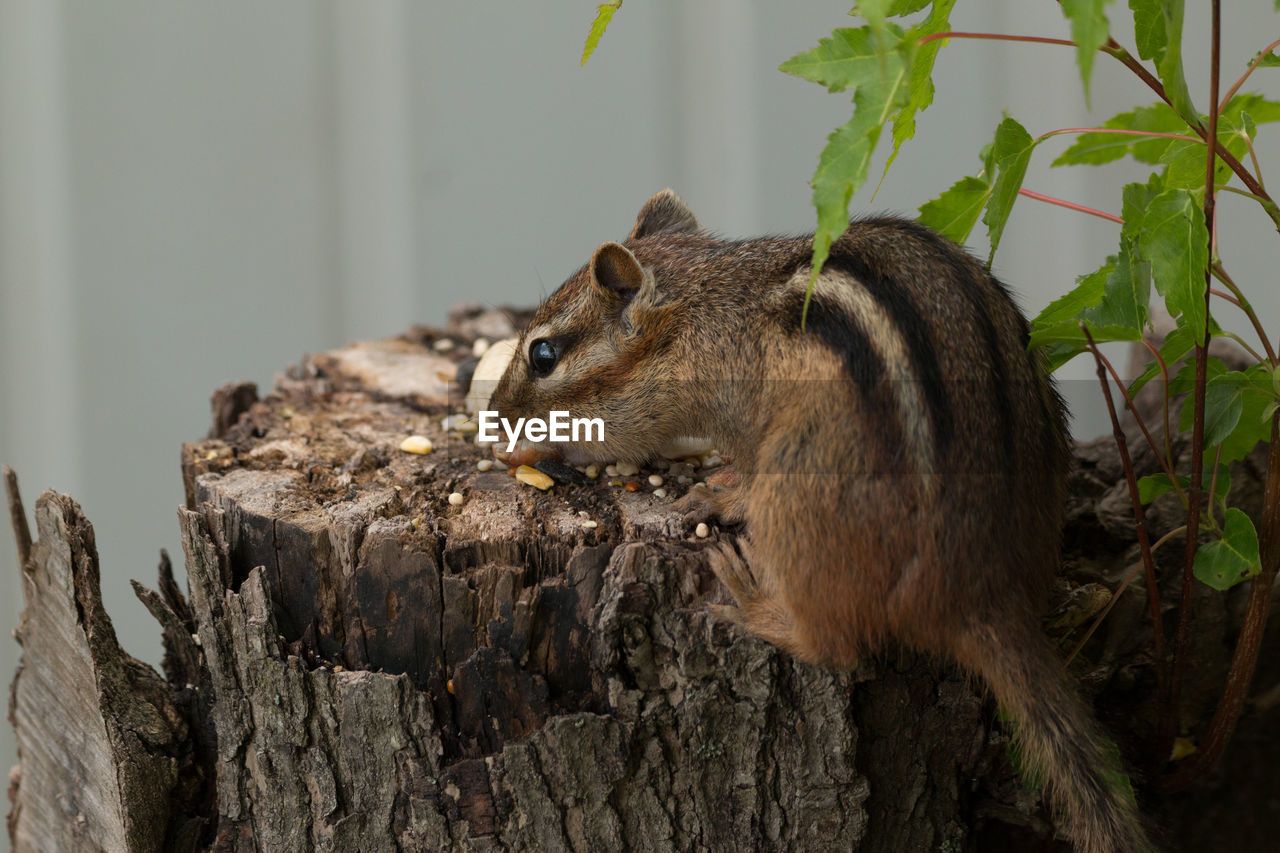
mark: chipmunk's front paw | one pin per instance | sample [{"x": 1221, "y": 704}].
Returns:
[{"x": 722, "y": 496}]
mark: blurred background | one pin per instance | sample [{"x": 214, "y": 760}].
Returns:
[{"x": 194, "y": 192}]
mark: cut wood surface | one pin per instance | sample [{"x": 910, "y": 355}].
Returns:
[{"x": 359, "y": 664}]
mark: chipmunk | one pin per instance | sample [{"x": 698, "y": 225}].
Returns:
[{"x": 900, "y": 455}]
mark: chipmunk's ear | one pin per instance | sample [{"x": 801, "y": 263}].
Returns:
[
  {"x": 665, "y": 213},
  {"x": 614, "y": 268}
]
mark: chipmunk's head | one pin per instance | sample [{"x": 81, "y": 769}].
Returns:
[{"x": 594, "y": 352}]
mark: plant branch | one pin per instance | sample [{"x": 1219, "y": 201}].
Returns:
[
  {"x": 1182, "y": 637},
  {"x": 1165, "y": 464},
  {"x": 1220, "y": 273},
  {"x": 1112, "y": 48},
  {"x": 1070, "y": 205},
  {"x": 1121, "y": 131},
  {"x": 995, "y": 37},
  {"x": 1164, "y": 375},
  {"x": 1235, "y": 87},
  {"x": 1245, "y": 659},
  {"x": 1115, "y": 596},
  {"x": 1139, "y": 516}
]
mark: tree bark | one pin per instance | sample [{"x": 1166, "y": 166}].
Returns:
[{"x": 360, "y": 664}]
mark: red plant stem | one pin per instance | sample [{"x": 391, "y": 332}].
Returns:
[
  {"x": 1069, "y": 205},
  {"x": 1139, "y": 518},
  {"x": 1149, "y": 133},
  {"x": 1231, "y": 93},
  {"x": 995, "y": 37},
  {"x": 1113, "y": 49},
  {"x": 1168, "y": 442},
  {"x": 1182, "y": 638},
  {"x": 1137, "y": 418}
]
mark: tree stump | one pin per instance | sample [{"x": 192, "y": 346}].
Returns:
[{"x": 359, "y": 664}]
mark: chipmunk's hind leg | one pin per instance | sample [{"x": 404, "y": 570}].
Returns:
[{"x": 758, "y": 610}]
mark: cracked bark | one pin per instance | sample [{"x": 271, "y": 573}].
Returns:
[{"x": 358, "y": 664}]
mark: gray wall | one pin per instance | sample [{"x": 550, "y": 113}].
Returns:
[{"x": 196, "y": 192}]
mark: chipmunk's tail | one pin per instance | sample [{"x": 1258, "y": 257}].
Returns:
[{"x": 1061, "y": 744}]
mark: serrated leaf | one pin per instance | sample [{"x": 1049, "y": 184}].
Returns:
[
  {"x": 1011, "y": 152},
  {"x": 1157, "y": 26},
  {"x": 907, "y": 7},
  {"x": 1095, "y": 148},
  {"x": 1235, "y": 404},
  {"x": 1226, "y": 562},
  {"x": 1176, "y": 344},
  {"x": 842, "y": 167},
  {"x": 1090, "y": 31},
  {"x": 849, "y": 58},
  {"x": 1173, "y": 238},
  {"x": 872, "y": 11},
  {"x": 920, "y": 75},
  {"x": 954, "y": 213},
  {"x": 1270, "y": 60},
  {"x": 1186, "y": 159},
  {"x": 1103, "y": 300},
  {"x": 604, "y": 14}
]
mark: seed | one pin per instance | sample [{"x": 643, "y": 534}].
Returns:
[
  {"x": 590, "y": 525},
  {"x": 443, "y": 345},
  {"x": 611, "y": 470},
  {"x": 702, "y": 531},
  {"x": 633, "y": 487},
  {"x": 534, "y": 477},
  {"x": 712, "y": 462},
  {"x": 582, "y": 513},
  {"x": 659, "y": 493},
  {"x": 455, "y": 499},
  {"x": 484, "y": 465},
  {"x": 416, "y": 444},
  {"x": 480, "y": 347},
  {"x": 655, "y": 479},
  {"x": 592, "y": 471},
  {"x": 627, "y": 469}
]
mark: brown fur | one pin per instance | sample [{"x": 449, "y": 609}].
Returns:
[{"x": 920, "y": 502}]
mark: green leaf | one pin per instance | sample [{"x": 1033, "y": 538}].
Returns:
[
  {"x": 909, "y": 7},
  {"x": 880, "y": 78},
  {"x": 604, "y": 14},
  {"x": 842, "y": 167},
  {"x": 1157, "y": 26},
  {"x": 1095, "y": 148},
  {"x": 1235, "y": 407},
  {"x": 954, "y": 213},
  {"x": 1186, "y": 159},
  {"x": 872, "y": 11},
  {"x": 1222, "y": 409},
  {"x": 1153, "y": 486},
  {"x": 1176, "y": 344},
  {"x": 1233, "y": 558},
  {"x": 1090, "y": 31},
  {"x": 1105, "y": 300},
  {"x": 1173, "y": 238},
  {"x": 850, "y": 58},
  {"x": 920, "y": 76},
  {"x": 1270, "y": 60},
  {"x": 1011, "y": 152}
]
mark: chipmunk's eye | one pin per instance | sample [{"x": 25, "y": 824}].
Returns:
[{"x": 543, "y": 355}]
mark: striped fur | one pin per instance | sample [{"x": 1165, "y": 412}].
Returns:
[{"x": 902, "y": 457}]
